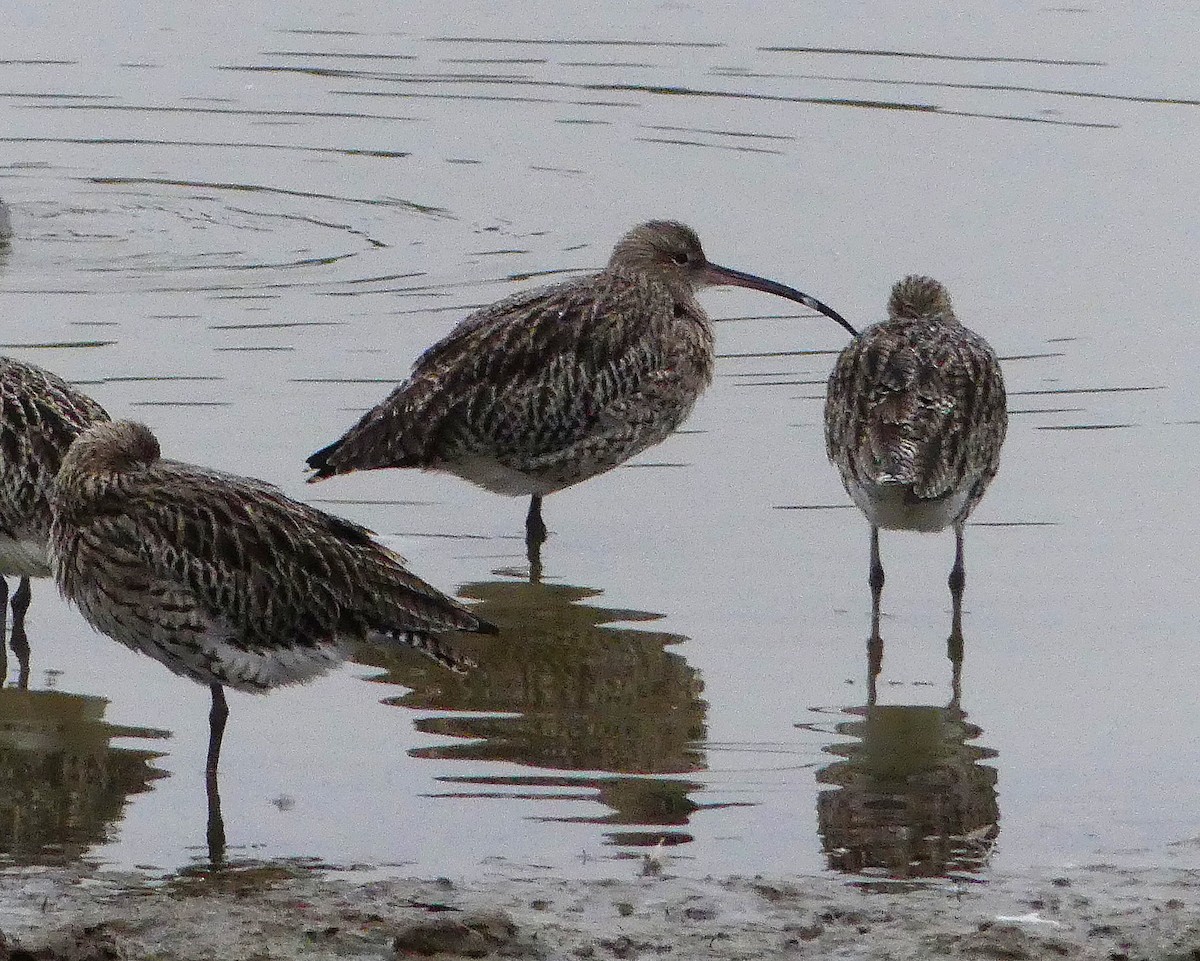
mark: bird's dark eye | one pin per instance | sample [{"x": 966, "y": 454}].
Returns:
[{"x": 681, "y": 259}]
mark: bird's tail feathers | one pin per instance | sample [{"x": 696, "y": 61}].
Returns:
[{"x": 434, "y": 648}]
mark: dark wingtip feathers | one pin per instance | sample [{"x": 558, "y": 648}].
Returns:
[
  {"x": 486, "y": 627},
  {"x": 319, "y": 463}
]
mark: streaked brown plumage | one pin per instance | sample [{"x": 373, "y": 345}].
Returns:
[
  {"x": 556, "y": 385},
  {"x": 914, "y": 419},
  {"x": 40, "y": 415},
  {"x": 224, "y": 579}
]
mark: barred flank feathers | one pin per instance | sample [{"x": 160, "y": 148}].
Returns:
[{"x": 225, "y": 579}]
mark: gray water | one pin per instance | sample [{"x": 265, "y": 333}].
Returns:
[{"x": 242, "y": 224}]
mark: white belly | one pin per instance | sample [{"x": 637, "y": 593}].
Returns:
[
  {"x": 893, "y": 507},
  {"x": 23, "y": 557},
  {"x": 491, "y": 475}
]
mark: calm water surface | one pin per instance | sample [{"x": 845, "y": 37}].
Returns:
[{"x": 242, "y": 230}]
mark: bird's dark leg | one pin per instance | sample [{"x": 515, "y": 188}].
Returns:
[
  {"x": 954, "y": 643},
  {"x": 18, "y": 640},
  {"x": 876, "y": 581},
  {"x": 875, "y": 641},
  {"x": 20, "y": 599},
  {"x": 3, "y": 629},
  {"x": 958, "y": 580},
  {"x": 535, "y": 535},
  {"x": 216, "y": 731},
  {"x": 216, "y": 728},
  {"x": 215, "y": 832}
]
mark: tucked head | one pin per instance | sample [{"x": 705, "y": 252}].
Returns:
[
  {"x": 112, "y": 448},
  {"x": 671, "y": 252},
  {"x": 916, "y": 297}
]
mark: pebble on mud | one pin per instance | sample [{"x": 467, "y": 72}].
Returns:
[
  {"x": 1010, "y": 942},
  {"x": 469, "y": 936}
]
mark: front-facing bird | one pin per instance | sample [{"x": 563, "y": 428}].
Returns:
[
  {"x": 556, "y": 385},
  {"x": 224, "y": 579},
  {"x": 914, "y": 418}
]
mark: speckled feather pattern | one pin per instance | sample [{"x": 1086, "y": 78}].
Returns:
[
  {"x": 40, "y": 415},
  {"x": 917, "y": 402},
  {"x": 544, "y": 389},
  {"x": 224, "y": 579}
]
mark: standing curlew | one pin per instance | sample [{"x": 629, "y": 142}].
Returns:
[
  {"x": 914, "y": 419},
  {"x": 40, "y": 415},
  {"x": 553, "y": 386},
  {"x": 224, "y": 579}
]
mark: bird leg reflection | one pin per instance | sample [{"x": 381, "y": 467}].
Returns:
[
  {"x": 20, "y": 646},
  {"x": 954, "y": 650},
  {"x": 874, "y": 666},
  {"x": 18, "y": 640},
  {"x": 535, "y": 536}
]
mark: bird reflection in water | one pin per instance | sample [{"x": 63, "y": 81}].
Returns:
[
  {"x": 20, "y": 647},
  {"x": 911, "y": 798},
  {"x": 566, "y": 691},
  {"x": 63, "y": 785}
]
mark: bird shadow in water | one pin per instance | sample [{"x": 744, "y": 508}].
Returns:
[
  {"x": 563, "y": 689},
  {"x": 910, "y": 797},
  {"x": 65, "y": 784}
]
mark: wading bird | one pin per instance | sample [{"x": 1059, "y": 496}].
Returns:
[
  {"x": 224, "y": 579},
  {"x": 915, "y": 416},
  {"x": 40, "y": 415},
  {"x": 553, "y": 386}
]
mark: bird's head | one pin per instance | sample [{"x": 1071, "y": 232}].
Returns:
[
  {"x": 671, "y": 252},
  {"x": 111, "y": 448},
  {"x": 917, "y": 298}
]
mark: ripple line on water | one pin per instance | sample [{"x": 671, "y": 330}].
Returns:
[
  {"x": 260, "y": 188},
  {"x": 571, "y": 42},
  {"x": 1085, "y": 426},
  {"x": 333, "y": 55},
  {"x": 58, "y": 344},
  {"x": 739, "y": 148},
  {"x": 1000, "y": 88},
  {"x": 216, "y": 144},
  {"x": 230, "y": 111},
  {"x": 1081, "y": 390},
  {"x": 918, "y": 55},
  {"x": 279, "y": 325}
]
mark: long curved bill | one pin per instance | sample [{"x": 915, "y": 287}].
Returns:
[{"x": 736, "y": 278}]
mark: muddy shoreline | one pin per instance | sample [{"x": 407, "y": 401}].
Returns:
[{"x": 286, "y": 911}]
